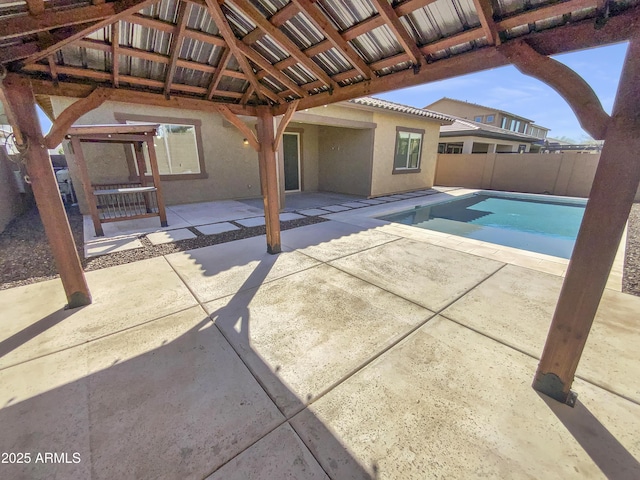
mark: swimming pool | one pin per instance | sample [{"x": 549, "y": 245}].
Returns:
[{"x": 528, "y": 222}]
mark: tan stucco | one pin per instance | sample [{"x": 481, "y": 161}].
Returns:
[
  {"x": 231, "y": 166},
  {"x": 383, "y": 181},
  {"x": 504, "y": 145},
  {"x": 346, "y": 158},
  {"x": 569, "y": 174},
  {"x": 345, "y": 148},
  {"x": 12, "y": 202},
  {"x": 462, "y": 110}
]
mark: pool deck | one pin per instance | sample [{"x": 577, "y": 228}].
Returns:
[{"x": 364, "y": 350}]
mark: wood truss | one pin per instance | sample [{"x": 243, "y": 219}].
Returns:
[
  {"x": 263, "y": 57},
  {"x": 244, "y": 57}
]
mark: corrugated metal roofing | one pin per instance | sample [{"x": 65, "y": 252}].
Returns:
[
  {"x": 146, "y": 38},
  {"x": 398, "y": 107}
]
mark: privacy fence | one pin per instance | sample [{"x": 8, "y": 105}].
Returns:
[{"x": 569, "y": 174}]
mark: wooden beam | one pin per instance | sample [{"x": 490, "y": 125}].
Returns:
[
  {"x": 573, "y": 36},
  {"x": 53, "y": 68},
  {"x": 168, "y": 27},
  {"x": 67, "y": 89},
  {"x": 452, "y": 41},
  {"x": 155, "y": 173},
  {"x": 247, "y": 95},
  {"x": 176, "y": 44},
  {"x": 217, "y": 76},
  {"x": 269, "y": 179},
  {"x": 28, "y": 24},
  {"x": 20, "y": 100},
  {"x": 326, "y": 27},
  {"x": 154, "y": 57},
  {"x": 72, "y": 113},
  {"x": 484, "y": 9},
  {"x": 555, "y": 10},
  {"x": 612, "y": 193},
  {"x": 288, "y": 115},
  {"x": 392, "y": 21},
  {"x": 233, "y": 43},
  {"x": 240, "y": 125},
  {"x": 36, "y": 7},
  {"x": 263, "y": 63},
  {"x": 577, "y": 93},
  {"x": 18, "y": 52},
  {"x": 117, "y": 10},
  {"x": 289, "y": 46},
  {"x": 115, "y": 53},
  {"x": 253, "y": 36},
  {"x": 283, "y": 15},
  {"x": 363, "y": 27},
  {"x": 87, "y": 188}
]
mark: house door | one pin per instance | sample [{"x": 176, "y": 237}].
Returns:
[{"x": 291, "y": 149}]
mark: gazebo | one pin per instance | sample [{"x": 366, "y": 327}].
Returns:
[
  {"x": 120, "y": 202},
  {"x": 269, "y": 58}
]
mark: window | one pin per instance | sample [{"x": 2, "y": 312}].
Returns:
[
  {"x": 515, "y": 125},
  {"x": 478, "y": 118},
  {"x": 408, "y": 149},
  {"x": 450, "y": 148},
  {"x": 504, "y": 123},
  {"x": 490, "y": 118},
  {"x": 178, "y": 147}
]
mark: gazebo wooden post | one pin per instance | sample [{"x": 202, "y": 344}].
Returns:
[
  {"x": 87, "y": 188},
  {"x": 21, "y": 102},
  {"x": 137, "y": 150},
  {"x": 614, "y": 187},
  {"x": 268, "y": 178},
  {"x": 153, "y": 162}
]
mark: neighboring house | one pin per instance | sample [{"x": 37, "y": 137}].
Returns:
[
  {"x": 554, "y": 145},
  {"x": 466, "y": 136},
  {"x": 366, "y": 147},
  {"x": 488, "y": 116}
]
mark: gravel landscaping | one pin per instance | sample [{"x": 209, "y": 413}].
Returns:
[{"x": 25, "y": 256}]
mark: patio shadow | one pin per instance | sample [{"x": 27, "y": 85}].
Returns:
[
  {"x": 32, "y": 331},
  {"x": 605, "y": 450}
]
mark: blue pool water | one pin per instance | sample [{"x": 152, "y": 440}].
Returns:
[{"x": 543, "y": 225}]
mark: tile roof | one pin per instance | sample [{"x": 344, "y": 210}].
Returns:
[
  {"x": 398, "y": 107},
  {"x": 464, "y": 102},
  {"x": 468, "y": 127}
]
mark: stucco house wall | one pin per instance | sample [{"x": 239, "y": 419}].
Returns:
[
  {"x": 383, "y": 180},
  {"x": 226, "y": 179},
  {"x": 462, "y": 110},
  {"x": 12, "y": 202},
  {"x": 346, "y": 160},
  {"x": 344, "y": 148},
  {"x": 468, "y": 140}
]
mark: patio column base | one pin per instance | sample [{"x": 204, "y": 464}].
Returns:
[
  {"x": 551, "y": 385},
  {"x": 76, "y": 300}
]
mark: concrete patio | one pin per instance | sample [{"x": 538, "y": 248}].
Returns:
[{"x": 364, "y": 350}]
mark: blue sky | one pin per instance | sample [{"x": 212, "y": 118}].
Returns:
[{"x": 507, "y": 89}]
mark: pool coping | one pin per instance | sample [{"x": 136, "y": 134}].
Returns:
[{"x": 365, "y": 217}]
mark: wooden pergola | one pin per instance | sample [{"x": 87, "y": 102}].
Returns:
[
  {"x": 120, "y": 202},
  {"x": 267, "y": 58}
]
